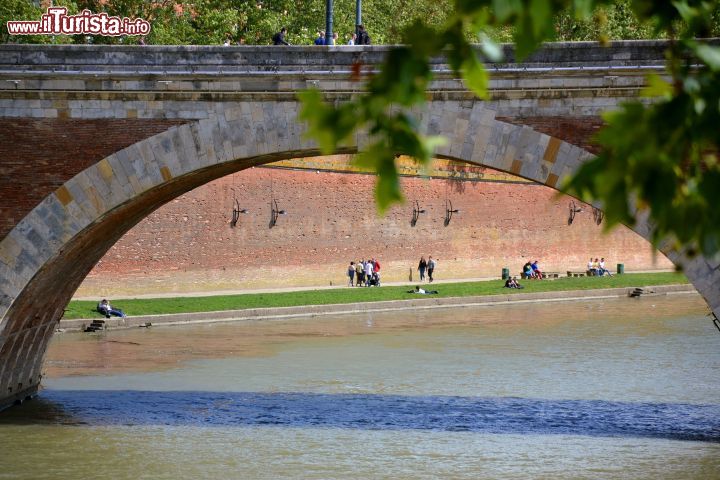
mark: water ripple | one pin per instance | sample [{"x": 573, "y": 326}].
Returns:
[{"x": 502, "y": 415}]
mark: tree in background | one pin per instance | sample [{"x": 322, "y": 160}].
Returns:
[
  {"x": 27, "y": 10},
  {"x": 212, "y": 22}
]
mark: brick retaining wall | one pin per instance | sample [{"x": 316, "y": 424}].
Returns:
[{"x": 188, "y": 244}]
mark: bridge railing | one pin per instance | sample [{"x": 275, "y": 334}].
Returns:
[{"x": 279, "y": 59}]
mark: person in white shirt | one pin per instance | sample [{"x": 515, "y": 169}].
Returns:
[
  {"x": 592, "y": 268},
  {"x": 368, "y": 272},
  {"x": 602, "y": 270}
]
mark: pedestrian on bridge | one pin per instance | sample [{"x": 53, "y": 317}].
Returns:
[
  {"x": 363, "y": 38},
  {"x": 279, "y": 38}
]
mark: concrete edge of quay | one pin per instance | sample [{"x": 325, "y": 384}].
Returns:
[{"x": 277, "y": 313}]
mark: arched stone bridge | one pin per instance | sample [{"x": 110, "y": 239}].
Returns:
[{"x": 96, "y": 138}]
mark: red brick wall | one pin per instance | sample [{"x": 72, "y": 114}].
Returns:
[
  {"x": 39, "y": 155},
  {"x": 188, "y": 244}
]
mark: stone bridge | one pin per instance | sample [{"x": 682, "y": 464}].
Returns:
[{"x": 96, "y": 138}]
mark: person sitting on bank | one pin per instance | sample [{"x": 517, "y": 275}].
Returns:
[
  {"x": 592, "y": 268},
  {"x": 512, "y": 282},
  {"x": 602, "y": 268},
  {"x": 422, "y": 291},
  {"x": 536, "y": 270},
  {"x": 527, "y": 271},
  {"x": 106, "y": 309}
]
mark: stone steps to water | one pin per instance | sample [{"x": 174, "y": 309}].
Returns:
[
  {"x": 638, "y": 292},
  {"x": 95, "y": 326}
]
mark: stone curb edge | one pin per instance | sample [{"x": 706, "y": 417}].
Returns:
[{"x": 363, "y": 307}]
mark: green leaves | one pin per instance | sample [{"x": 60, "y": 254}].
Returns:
[
  {"x": 709, "y": 55},
  {"x": 505, "y": 10},
  {"x": 475, "y": 76},
  {"x": 330, "y": 126},
  {"x": 657, "y": 87}
]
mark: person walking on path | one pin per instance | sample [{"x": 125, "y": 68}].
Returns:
[
  {"x": 422, "y": 266},
  {"x": 279, "y": 38},
  {"x": 431, "y": 267},
  {"x": 351, "y": 273},
  {"x": 320, "y": 40},
  {"x": 368, "y": 272},
  {"x": 359, "y": 273}
]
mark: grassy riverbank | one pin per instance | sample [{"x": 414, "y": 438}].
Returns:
[{"x": 153, "y": 306}]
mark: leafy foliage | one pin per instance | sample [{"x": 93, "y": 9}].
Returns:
[
  {"x": 27, "y": 10},
  {"x": 208, "y": 22},
  {"x": 212, "y": 22}
]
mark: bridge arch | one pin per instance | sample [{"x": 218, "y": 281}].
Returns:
[{"x": 49, "y": 252}]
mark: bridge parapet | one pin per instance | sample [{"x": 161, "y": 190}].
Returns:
[
  {"x": 190, "y": 82},
  {"x": 243, "y": 59}
]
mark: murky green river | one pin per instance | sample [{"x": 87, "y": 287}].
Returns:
[{"x": 621, "y": 389}]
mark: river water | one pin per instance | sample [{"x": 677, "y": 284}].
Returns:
[{"x": 621, "y": 389}]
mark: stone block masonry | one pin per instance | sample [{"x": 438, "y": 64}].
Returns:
[{"x": 39, "y": 155}]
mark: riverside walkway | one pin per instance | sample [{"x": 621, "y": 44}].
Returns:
[
  {"x": 211, "y": 293},
  {"x": 408, "y": 302}
]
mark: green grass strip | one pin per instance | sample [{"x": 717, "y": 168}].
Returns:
[{"x": 154, "y": 306}]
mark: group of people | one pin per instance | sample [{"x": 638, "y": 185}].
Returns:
[
  {"x": 531, "y": 270},
  {"x": 364, "y": 273},
  {"x": 360, "y": 38},
  {"x": 427, "y": 266},
  {"x": 597, "y": 268}
]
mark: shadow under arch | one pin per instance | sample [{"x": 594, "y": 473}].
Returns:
[{"x": 46, "y": 256}]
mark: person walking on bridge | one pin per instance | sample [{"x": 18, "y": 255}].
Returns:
[
  {"x": 363, "y": 38},
  {"x": 279, "y": 38}
]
